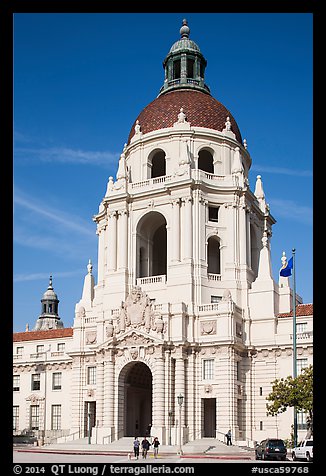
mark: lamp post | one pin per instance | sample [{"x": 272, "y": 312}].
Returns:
[{"x": 180, "y": 402}]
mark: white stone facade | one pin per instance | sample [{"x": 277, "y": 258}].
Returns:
[{"x": 184, "y": 303}]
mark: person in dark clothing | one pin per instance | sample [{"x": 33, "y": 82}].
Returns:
[
  {"x": 155, "y": 444},
  {"x": 145, "y": 444},
  {"x": 136, "y": 447},
  {"x": 228, "y": 438}
]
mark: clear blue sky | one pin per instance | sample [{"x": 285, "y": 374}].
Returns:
[{"x": 81, "y": 79}]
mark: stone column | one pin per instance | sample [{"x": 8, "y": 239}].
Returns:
[
  {"x": 112, "y": 246},
  {"x": 227, "y": 402},
  {"x": 191, "y": 404},
  {"x": 242, "y": 233},
  {"x": 248, "y": 237},
  {"x": 187, "y": 229},
  {"x": 123, "y": 239},
  {"x": 183, "y": 68},
  {"x": 158, "y": 393},
  {"x": 176, "y": 230},
  {"x": 108, "y": 417},
  {"x": 77, "y": 413},
  {"x": 236, "y": 237},
  {"x": 101, "y": 231},
  {"x": 180, "y": 385},
  {"x": 99, "y": 393}
]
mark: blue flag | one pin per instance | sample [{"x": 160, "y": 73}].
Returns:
[{"x": 286, "y": 269}]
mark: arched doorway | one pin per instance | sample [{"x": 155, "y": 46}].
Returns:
[
  {"x": 151, "y": 245},
  {"x": 135, "y": 399}
]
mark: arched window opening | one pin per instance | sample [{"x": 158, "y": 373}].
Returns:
[
  {"x": 205, "y": 161},
  {"x": 151, "y": 246},
  {"x": 177, "y": 69},
  {"x": 213, "y": 256},
  {"x": 190, "y": 68},
  {"x": 158, "y": 164},
  {"x": 159, "y": 257}
]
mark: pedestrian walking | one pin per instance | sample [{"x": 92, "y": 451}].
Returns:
[
  {"x": 156, "y": 444},
  {"x": 136, "y": 447},
  {"x": 145, "y": 444},
  {"x": 228, "y": 438}
]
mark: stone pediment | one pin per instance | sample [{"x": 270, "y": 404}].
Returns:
[
  {"x": 136, "y": 338},
  {"x": 131, "y": 338}
]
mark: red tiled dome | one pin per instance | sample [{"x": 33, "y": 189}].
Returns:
[{"x": 201, "y": 109}]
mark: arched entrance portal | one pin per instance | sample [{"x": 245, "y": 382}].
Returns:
[{"x": 135, "y": 399}]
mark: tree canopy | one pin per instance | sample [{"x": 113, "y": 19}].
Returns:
[{"x": 293, "y": 392}]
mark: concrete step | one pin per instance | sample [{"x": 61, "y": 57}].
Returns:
[{"x": 208, "y": 446}]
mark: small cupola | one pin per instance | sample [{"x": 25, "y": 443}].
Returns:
[
  {"x": 184, "y": 65},
  {"x": 49, "y": 317}
]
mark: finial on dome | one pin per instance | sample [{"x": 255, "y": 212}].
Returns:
[
  {"x": 181, "y": 116},
  {"x": 228, "y": 124},
  {"x": 89, "y": 266},
  {"x": 137, "y": 127},
  {"x": 50, "y": 283},
  {"x": 184, "y": 30}
]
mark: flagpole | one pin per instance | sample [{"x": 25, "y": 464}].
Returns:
[{"x": 295, "y": 422}]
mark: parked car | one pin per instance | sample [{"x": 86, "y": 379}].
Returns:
[
  {"x": 304, "y": 450},
  {"x": 271, "y": 448}
]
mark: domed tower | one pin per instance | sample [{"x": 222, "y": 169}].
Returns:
[
  {"x": 49, "y": 318},
  {"x": 180, "y": 209},
  {"x": 183, "y": 263}
]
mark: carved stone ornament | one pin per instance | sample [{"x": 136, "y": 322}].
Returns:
[
  {"x": 137, "y": 312},
  {"x": 34, "y": 398},
  {"x": 91, "y": 337},
  {"x": 134, "y": 339},
  {"x": 208, "y": 388},
  {"x": 81, "y": 312},
  {"x": 208, "y": 327},
  {"x": 227, "y": 296},
  {"x": 110, "y": 328},
  {"x": 134, "y": 353}
]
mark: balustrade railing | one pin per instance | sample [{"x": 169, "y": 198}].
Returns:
[
  {"x": 151, "y": 280},
  {"x": 151, "y": 183},
  {"x": 303, "y": 335}
]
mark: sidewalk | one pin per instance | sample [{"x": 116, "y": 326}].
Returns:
[{"x": 204, "y": 448}]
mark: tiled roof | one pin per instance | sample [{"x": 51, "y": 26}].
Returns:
[
  {"x": 201, "y": 110},
  {"x": 41, "y": 335},
  {"x": 301, "y": 310}
]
